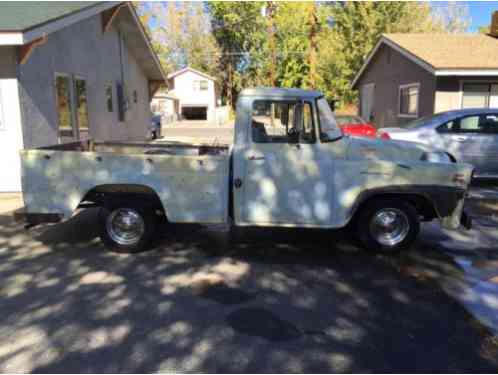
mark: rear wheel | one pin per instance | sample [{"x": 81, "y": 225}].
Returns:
[
  {"x": 388, "y": 225},
  {"x": 127, "y": 229}
]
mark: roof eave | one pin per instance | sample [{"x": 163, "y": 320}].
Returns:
[
  {"x": 384, "y": 40},
  {"x": 188, "y": 68},
  {"x": 148, "y": 42},
  {"x": 28, "y": 35},
  {"x": 445, "y": 72}
]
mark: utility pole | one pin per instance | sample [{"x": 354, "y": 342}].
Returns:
[
  {"x": 270, "y": 14},
  {"x": 312, "y": 59}
]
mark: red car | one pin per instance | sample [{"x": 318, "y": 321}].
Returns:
[{"x": 355, "y": 125}]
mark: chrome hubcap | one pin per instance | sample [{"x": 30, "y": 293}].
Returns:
[
  {"x": 125, "y": 226},
  {"x": 389, "y": 226}
]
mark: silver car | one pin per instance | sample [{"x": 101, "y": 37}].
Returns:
[{"x": 470, "y": 135}]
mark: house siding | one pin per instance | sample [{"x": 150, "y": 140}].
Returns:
[
  {"x": 388, "y": 74},
  {"x": 11, "y": 140},
  {"x": 85, "y": 51}
]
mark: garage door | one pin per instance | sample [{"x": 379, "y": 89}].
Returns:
[{"x": 194, "y": 113}]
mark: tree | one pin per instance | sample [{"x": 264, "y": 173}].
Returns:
[
  {"x": 355, "y": 29},
  {"x": 453, "y": 18},
  {"x": 181, "y": 34},
  {"x": 240, "y": 31}
]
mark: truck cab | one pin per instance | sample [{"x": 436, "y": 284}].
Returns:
[{"x": 293, "y": 167}]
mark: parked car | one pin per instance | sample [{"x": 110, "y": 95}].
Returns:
[
  {"x": 469, "y": 135},
  {"x": 287, "y": 170},
  {"x": 355, "y": 125}
]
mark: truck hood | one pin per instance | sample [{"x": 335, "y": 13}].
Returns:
[{"x": 390, "y": 150}]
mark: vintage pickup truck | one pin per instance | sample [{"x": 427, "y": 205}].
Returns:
[{"x": 290, "y": 165}]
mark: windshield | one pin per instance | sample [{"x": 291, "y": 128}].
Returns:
[
  {"x": 422, "y": 121},
  {"x": 329, "y": 130}
]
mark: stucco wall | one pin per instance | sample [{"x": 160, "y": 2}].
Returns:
[
  {"x": 184, "y": 90},
  {"x": 388, "y": 73},
  {"x": 84, "y": 50},
  {"x": 448, "y": 91},
  {"x": 11, "y": 141}
]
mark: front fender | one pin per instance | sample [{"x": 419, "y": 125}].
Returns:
[{"x": 445, "y": 200}]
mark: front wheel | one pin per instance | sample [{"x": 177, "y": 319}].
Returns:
[
  {"x": 127, "y": 229},
  {"x": 388, "y": 225}
]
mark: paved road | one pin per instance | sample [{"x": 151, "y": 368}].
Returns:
[
  {"x": 264, "y": 301},
  {"x": 199, "y": 133}
]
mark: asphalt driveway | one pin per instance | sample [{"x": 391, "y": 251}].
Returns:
[{"x": 202, "y": 301}]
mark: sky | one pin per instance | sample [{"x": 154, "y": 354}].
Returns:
[{"x": 480, "y": 12}]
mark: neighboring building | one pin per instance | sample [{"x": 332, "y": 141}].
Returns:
[
  {"x": 407, "y": 76},
  {"x": 196, "y": 94},
  {"x": 166, "y": 105},
  {"x": 70, "y": 71}
]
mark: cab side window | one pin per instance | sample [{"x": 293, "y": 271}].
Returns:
[
  {"x": 307, "y": 134},
  {"x": 275, "y": 121}
]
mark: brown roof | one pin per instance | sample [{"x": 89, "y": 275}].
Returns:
[{"x": 450, "y": 51}]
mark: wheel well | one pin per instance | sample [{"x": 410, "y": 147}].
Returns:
[
  {"x": 109, "y": 194},
  {"x": 421, "y": 203}
]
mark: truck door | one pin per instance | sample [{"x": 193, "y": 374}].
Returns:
[{"x": 284, "y": 178}]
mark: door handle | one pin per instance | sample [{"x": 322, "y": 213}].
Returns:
[
  {"x": 253, "y": 157},
  {"x": 461, "y": 139}
]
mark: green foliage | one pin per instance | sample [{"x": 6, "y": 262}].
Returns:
[
  {"x": 356, "y": 28},
  {"x": 290, "y": 44},
  {"x": 181, "y": 35}
]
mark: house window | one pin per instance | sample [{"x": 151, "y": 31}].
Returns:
[
  {"x": 108, "y": 97},
  {"x": 64, "y": 105},
  {"x": 408, "y": 100},
  {"x": 480, "y": 95},
  {"x": 81, "y": 104},
  {"x": 201, "y": 85}
]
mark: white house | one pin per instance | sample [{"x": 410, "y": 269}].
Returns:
[
  {"x": 196, "y": 94},
  {"x": 70, "y": 71},
  {"x": 166, "y": 105}
]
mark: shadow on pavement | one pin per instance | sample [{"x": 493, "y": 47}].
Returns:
[{"x": 205, "y": 300}]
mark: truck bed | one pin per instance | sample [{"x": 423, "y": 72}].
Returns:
[{"x": 191, "y": 181}]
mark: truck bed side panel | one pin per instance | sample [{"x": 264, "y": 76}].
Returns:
[{"x": 191, "y": 188}]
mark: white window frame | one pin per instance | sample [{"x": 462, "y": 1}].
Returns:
[
  {"x": 406, "y": 86},
  {"x": 462, "y": 83}
]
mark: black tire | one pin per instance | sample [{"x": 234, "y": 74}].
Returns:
[
  {"x": 142, "y": 243},
  {"x": 365, "y": 222}
]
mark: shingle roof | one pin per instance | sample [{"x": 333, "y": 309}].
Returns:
[
  {"x": 22, "y": 16},
  {"x": 450, "y": 51}
]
